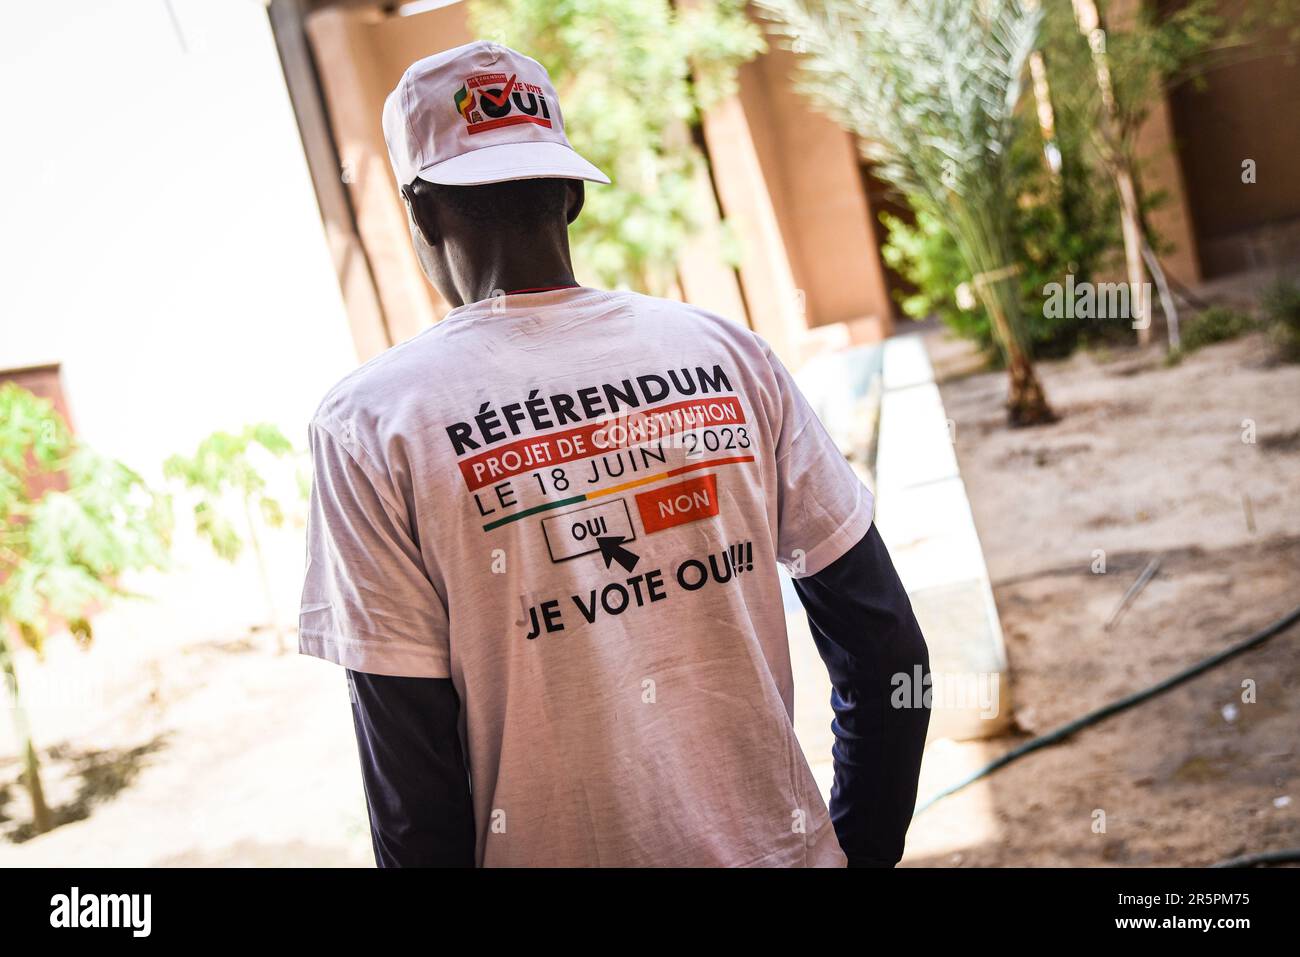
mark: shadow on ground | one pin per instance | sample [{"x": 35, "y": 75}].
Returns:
[{"x": 88, "y": 777}]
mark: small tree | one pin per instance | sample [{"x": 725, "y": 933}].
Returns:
[
  {"x": 633, "y": 75},
  {"x": 931, "y": 87},
  {"x": 1062, "y": 223},
  {"x": 74, "y": 523},
  {"x": 1107, "y": 71},
  {"x": 223, "y": 467}
]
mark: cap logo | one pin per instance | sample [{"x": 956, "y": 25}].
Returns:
[{"x": 489, "y": 101}]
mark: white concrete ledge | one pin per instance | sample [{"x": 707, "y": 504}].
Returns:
[{"x": 924, "y": 517}]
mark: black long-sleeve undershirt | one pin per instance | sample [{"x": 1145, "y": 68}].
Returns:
[
  {"x": 417, "y": 785},
  {"x": 413, "y": 768},
  {"x": 866, "y": 633}
]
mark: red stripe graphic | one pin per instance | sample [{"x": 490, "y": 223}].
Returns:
[
  {"x": 507, "y": 121},
  {"x": 607, "y": 435}
]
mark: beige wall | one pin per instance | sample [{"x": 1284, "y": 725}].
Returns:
[
  {"x": 789, "y": 184},
  {"x": 705, "y": 276},
  {"x": 1192, "y": 147},
  {"x": 1247, "y": 111},
  {"x": 361, "y": 54},
  {"x": 1161, "y": 171},
  {"x": 817, "y": 189},
  {"x": 745, "y": 193}
]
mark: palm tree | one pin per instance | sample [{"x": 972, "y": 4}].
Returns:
[{"x": 931, "y": 87}]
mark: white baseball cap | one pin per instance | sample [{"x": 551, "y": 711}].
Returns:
[{"x": 480, "y": 113}]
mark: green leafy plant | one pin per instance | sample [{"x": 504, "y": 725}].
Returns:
[
  {"x": 634, "y": 76},
  {"x": 75, "y": 522},
  {"x": 932, "y": 89},
  {"x": 924, "y": 253},
  {"x": 1061, "y": 224},
  {"x": 1281, "y": 307},
  {"x": 224, "y": 467},
  {"x": 1216, "y": 324}
]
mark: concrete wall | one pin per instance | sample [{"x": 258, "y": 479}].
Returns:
[
  {"x": 1160, "y": 170},
  {"x": 1192, "y": 147},
  {"x": 789, "y": 183}
]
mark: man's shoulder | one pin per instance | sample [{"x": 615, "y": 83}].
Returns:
[
  {"x": 376, "y": 384},
  {"x": 690, "y": 315}
]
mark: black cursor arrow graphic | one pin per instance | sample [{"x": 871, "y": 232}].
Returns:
[{"x": 612, "y": 550}]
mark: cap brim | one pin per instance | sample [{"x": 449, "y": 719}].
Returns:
[{"x": 507, "y": 161}]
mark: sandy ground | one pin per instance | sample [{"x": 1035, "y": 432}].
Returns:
[
  {"x": 181, "y": 737},
  {"x": 230, "y": 755},
  {"x": 1147, "y": 462},
  {"x": 188, "y": 741}
]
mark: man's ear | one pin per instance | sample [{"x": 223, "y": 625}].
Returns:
[
  {"x": 418, "y": 213},
  {"x": 577, "y": 196}
]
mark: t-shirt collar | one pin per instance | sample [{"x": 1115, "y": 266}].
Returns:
[{"x": 545, "y": 296}]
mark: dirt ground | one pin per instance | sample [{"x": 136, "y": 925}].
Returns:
[
  {"x": 1147, "y": 462},
  {"x": 219, "y": 753}
]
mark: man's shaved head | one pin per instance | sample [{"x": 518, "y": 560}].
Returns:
[
  {"x": 472, "y": 240},
  {"x": 521, "y": 204}
]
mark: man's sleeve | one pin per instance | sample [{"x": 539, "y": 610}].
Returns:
[
  {"x": 823, "y": 508},
  {"x": 413, "y": 768},
  {"x": 367, "y": 603},
  {"x": 864, "y": 628}
]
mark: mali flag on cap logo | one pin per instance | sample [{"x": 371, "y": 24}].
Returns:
[{"x": 464, "y": 102}]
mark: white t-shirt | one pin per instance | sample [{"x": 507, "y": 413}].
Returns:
[{"x": 572, "y": 503}]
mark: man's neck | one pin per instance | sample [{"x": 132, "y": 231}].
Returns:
[{"x": 517, "y": 269}]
